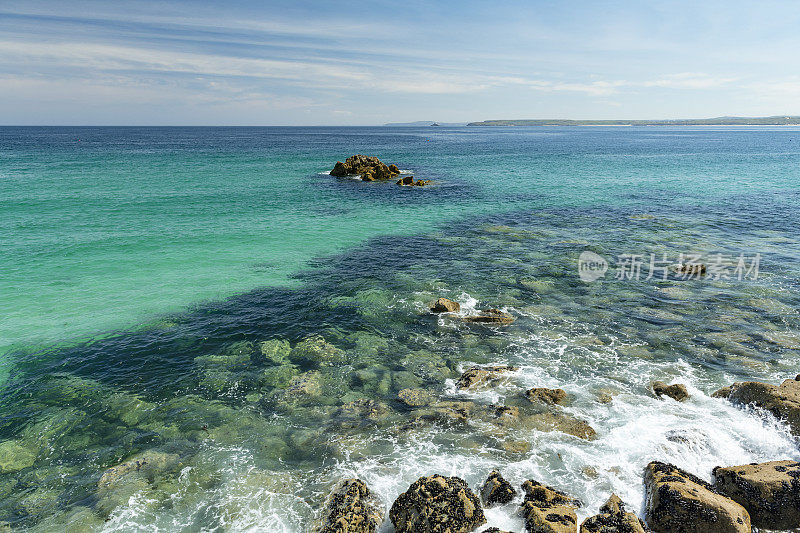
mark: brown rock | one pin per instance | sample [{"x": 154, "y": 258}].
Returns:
[
  {"x": 689, "y": 270},
  {"x": 350, "y": 508},
  {"x": 415, "y": 397},
  {"x": 394, "y": 169},
  {"x": 362, "y": 165},
  {"x": 406, "y": 180},
  {"x": 490, "y": 316},
  {"x": 547, "y": 510},
  {"x": 782, "y": 401},
  {"x": 437, "y": 504},
  {"x": 676, "y": 391},
  {"x": 443, "y": 305},
  {"x": 483, "y": 375},
  {"x": 679, "y": 501},
  {"x": 548, "y": 396},
  {"x": 496, "y": 490},
  {"x": 613, "y": 518},
  {"x": 769, "y": 491}
]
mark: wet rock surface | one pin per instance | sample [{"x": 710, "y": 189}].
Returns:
[
  {"x": 415, "y": 397},
  {"x": 783, "y": 401},
  {"x": 496, "y": 490},
  {"x": 547, "y": 510},
  {"x": 677, "y": 501},
  {"x": 443, "y": 305},
  {"x": 437, "y": 504},
  {"x": 546, "y": 396},
  {"x": 490, "y": 316},
  {"x": 350, "y": 508},
  {"x": 613, "y": 518},
  {"x": 483, "y": 376},
  {"x": 676, "y": 391},
  {"x": 769, "y": 491}
]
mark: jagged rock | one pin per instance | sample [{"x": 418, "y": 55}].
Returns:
[
  {"x": 443, "y": 305},
  {"x": 490, "y": 316},
  {"x": 613, "y": 518},
  {"x": 490, "y": 530},
  {"x": 364, "y": 165},
  {"x": 547, "y": 510},
  {"x": 769, "y": 491},
  {"x": 496, "y": 490},
  {"x": 782, "y": 401},
  {"x": 689, "y": 269},
  {"x": 680, "y": 501},
  {"x": 548, "y": 396},
  {"x": 437, "y": 504},
  {"x": 483, "y": 375},
  {"x": 14, "y": 456},
  {"x": 415, "y": 397},
  {"x": 406, "y": 180},
  {"x": 350, "y": 508},
  {"x": 676, "y": 391}
]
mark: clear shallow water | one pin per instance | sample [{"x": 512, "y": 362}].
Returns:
[{"x": 145, "y": 266}]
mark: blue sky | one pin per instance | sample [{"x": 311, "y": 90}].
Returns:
[{"x": 309, "y": 63}]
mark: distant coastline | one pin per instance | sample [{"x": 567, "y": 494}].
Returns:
[{"x": 718, "y": 121}]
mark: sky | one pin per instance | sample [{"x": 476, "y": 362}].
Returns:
[{"x": 367, "y": 63}]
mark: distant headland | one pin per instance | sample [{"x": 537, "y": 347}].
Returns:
[{"x": 718, "y": 121}]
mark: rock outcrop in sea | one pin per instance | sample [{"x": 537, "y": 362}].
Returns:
[
  {"x": 496, "y": 490},
  {"x": 370, "y": 168},
  {"x": 350, "y": 508},
  {"x": 783, "y": 401},
  {"x": 437, "y": 504},
  {"x": 547, "y": 510},
  {"x": 613, "y": 518}
]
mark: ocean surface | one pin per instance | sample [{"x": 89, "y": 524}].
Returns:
[{"x": 211, "y": 303}]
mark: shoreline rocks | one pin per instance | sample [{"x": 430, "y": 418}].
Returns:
[
  {"x": 350, "y": 508},
  {"x": 483, "y": 375},
  {"x": 437, "y": 504},
  {"x": 613, "y": 518},
  {"x": 679, "y": 501},
  {"x": 547, "y": 510},
  {"x": 546, "y": 396},
  {"x": 443, "y": 305},
  {"x": 783, "y": 401},
  {"x": 769, "y": 491},
  {"x": 496, "y": 490},
  {"x": 676, "y": 391}
]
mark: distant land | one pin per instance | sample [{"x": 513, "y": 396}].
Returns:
[
  {"x": 719, "y": 121},
  {"x": 426, "y": 123}
]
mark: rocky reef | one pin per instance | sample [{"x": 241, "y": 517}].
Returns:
[
  {"x": 437, "y": 504},
  {"x": 783, "y": 400}
]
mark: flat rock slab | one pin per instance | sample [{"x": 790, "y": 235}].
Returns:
[
  {"x": 769, "y": 491},
  {"x": 678, "y": 501}
]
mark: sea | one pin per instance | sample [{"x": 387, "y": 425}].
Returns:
[{"x": 202, "y": 330}]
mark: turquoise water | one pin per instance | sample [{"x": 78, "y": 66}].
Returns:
[{"x": 142, "y": 268}]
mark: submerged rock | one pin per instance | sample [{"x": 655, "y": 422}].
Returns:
[
  {"x": 148, "y": 465},
  {"x": 483, "y": 375},
  {"x": 415, "y": 397},
  {"x": 769, "y": 491},
  {"x": 496, "y": 490},
  {"x": 680, "y": 501},
  {"x": 350, "y": 508},
  {"x": 547, "y": 510},
  {"x": 782, "y": 401},
  {"x": 613, "y": 518},
  {"x": 315, "y": 350},
  {"x": 367, "y": 166},
  {"x": 443, "y": 305},
  {"x": 437, "y": 504},
  {"x": 490, "y": 316},
  {"x": 14, "y": 456},
  {"x": 547, "y": 396},
  {"x": 676, "y": 391},
  {"x": 275, "y": 351},
  {"x": 689, "y": 269}
]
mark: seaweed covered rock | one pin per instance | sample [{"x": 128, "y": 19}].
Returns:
[
  {"x": 275, "y": 351},
  {"x": 14, "y": 456},
  {"x": 676, "y": 391},
  {"x": 490, "y": 316},
  {"x": 443, "y": 305},
  {"x": 496, "y": 490},
  {"x": 613, "y": 518},
  {"x": 437, "y": 504},
  {"x": 680, "y": 501},
  {"x": 547, "y": 510},
  {"x": 369, "y": 167},
  {"x": 350, "y": 508},
  {"x": 782, "y": 401},
  {"x": 316, "y": 351},
  {"x": 483, "y": 375},
  {"x": 547, "y": 396},
  {"x": 415, "y": 397},
  {"x": 769, "y": 491}
]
